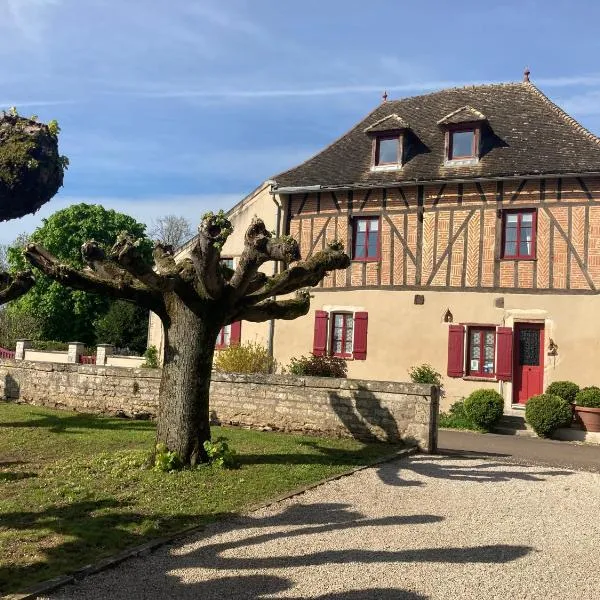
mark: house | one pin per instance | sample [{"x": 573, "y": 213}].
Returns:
[{"x": 472, "y": 217}]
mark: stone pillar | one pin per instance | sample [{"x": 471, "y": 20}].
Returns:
[
  {"x": 75, "y": 351},
  {"x": 22, "y": 345},
  {"x": 102, "y": 351}
]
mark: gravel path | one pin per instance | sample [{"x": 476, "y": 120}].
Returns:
[{"x": 423, "y": 527}]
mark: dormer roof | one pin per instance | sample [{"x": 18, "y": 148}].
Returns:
[
  {"x": 392, "y": 122},
  {"x": 526, "y": 135},
  {"x": 464, "y": 114}
]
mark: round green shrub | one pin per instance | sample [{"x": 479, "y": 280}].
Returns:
[
  {"x": 588, "y": 397},
  {"x": 546, "y": 413},
  {"x": 484, "y": 408},
  {"x": 567, "y": 390}
]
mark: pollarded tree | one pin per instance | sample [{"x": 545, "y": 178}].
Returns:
[{"x": 194, "y": 299}]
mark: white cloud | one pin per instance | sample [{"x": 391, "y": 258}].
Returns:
[{"x": 582, "y": 104}]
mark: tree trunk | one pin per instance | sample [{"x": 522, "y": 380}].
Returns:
[{"x": 183, "y": 415}]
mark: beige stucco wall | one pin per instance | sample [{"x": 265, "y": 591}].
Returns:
[
  {"x": 132, "y": 362},
  {"x": 46, "y": 356},
  {"x": 260, "y": 203},
  {"x": 402, "y": 334}
]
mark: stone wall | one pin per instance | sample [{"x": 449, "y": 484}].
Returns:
[{"x": 366, "y": 410}]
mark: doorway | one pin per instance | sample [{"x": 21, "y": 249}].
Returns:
[{"x": 528, "y": 369}]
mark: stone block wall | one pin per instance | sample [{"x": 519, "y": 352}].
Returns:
[{"x": 366, "y": 410}]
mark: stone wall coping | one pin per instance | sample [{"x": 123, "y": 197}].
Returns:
[{"x": 84, "y": 369}]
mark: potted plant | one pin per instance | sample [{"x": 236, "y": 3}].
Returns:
[{"x": 587, "y": 408}]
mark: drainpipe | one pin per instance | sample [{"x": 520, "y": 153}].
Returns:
[{"x": 275, "y": 271}]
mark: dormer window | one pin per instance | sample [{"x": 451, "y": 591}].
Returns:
[
  {"x": 463, "y": 144},
  {"x": 388, "y": 150}
]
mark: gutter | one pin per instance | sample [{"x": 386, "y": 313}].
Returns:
[
  {"x": 411, "y": 182},
  {"x": 270, "y": 341}
]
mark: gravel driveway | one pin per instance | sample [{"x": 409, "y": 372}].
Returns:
[{"x": 423, "y": 527}]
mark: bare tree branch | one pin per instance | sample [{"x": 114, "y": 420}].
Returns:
[
  {"x": 307, "y": 273},
  {"x": 274, "y": 309},
  {"x": 94, "y": 281},
  {"x": 206, "y": 253},
  {"x": 15, "y": 286},
  {"x": 259, "y": 248},
  {"x": 171, "y": 230}
]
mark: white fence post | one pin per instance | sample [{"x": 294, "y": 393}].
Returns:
[
  {"x": 75, "y": 351},
  {"x": 102, "y": 352},
  {"x": 22, "y": 345}
]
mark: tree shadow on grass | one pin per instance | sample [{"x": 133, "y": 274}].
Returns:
[
  {"x": 206, "y": 560},
  {"x": 56, "y": 423}
]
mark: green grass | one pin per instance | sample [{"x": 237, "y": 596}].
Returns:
[{"x": 73, "y": 487}]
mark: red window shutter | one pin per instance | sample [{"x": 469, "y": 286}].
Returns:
[
  {"x": 320, "y": 337},
  {"x": 236, "y": 333},
  {"x": 504, "y": 347},
  {"x": 456, "y": 351},
  {"x": 361, "y": 320}
]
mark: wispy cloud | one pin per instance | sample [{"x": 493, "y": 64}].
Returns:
[
  {"x": 29, "y": 17},
  {"x": 583, "y": 104}
]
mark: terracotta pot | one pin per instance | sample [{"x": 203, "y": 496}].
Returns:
[{"x": 589, "y": 417}]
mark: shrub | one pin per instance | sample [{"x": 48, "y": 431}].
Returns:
[
  {"x": 220, "y": 454},
  {"x": 250, "y": 357},
  {"x": 456, "y": 418},
  {"x": 318, "y": 366},
  {"x": 425, "y": 374},
  {"x": 567, "y": 390},
  {"x": 484, "y": 408},
  {"x": 166, "y": 461},
  {"x": 589, "y": 397},
  {"x": 150, "y": 358},
  {"x": 546, "y": 412}
]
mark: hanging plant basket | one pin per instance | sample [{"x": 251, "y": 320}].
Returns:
[{"x": 31, "y": 169}]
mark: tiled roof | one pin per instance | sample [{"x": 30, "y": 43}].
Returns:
[
  {"x": 389, "y": 123},
  {"x": 464, "y": 114},
  {"x": 524, "y": 134}
]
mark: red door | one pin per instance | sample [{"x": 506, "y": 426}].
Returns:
[{"x": 528, "y": 372}]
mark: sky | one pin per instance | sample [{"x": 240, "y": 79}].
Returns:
[{"x": 183, "y": 106}]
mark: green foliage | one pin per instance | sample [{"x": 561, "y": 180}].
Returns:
[
  {"x": 425, "y": 373},
  {"x": 125, "y": 325},
  {"x": 219, "y": 220},
  {"x": 567, "y": 390},
  {"x": 456, "y": 418},
  {"x": 53, "y": 127},
  {"x": 318, "y": 366},
  {"x": 588, "y": 397},
  {"x": 220, "y": 454},
  {"x": 151, "y": 358},
  {"x": 65, "y": 314},
  {"x": 546, "y": 413},
  {"x": 166, "y": 461},
  {"x": 15, "y": 326},
  {"x": 249, "y": 357},
  {"x": 49, "y": 345},
  {"x": 484, "y": 408}
]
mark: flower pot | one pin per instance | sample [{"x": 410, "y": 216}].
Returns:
[{"x": 589, "y": 417}]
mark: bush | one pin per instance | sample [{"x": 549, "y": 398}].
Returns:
[
  {"x": 456, "y": 418},
  {"x": 150, "y": 358},
  {"x": 249, "y": 357},
  {"x": 484, "y": 408},
  {"x": 220, "y": 454},
  {"x": 546, "y": 412},
  {"x": 588, "y": 397},
  {"x": 318, "y": 366},
  {"x": 567, "y": 390},
  {"x": 425, "y": 374}
]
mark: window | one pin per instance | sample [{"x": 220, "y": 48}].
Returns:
[
  {"x": 462, "y": 144},
  {"x": 482, "y": 351},
  {"x": 224, "y": 337},
  {"x": 366, "y": 239},
  {"x": 387, "y": 151},
  {"x": 342, "y": 334},
  {"x": 519, "y": 235},
  {"x": 227, "y": 262}
]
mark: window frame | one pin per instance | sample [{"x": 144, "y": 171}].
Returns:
[
  {"x": 355, "y": 221},
  {"x": 480, "y": 374},
  {"x": 518, "y": 256},
  {"x": 476, "y": 129},
  {"x": 221, "y": 344},
  {"x": 376, "y": 145},
  {"x": 331, "y": 343}
]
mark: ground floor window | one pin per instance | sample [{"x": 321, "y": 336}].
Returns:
[
  {"x": 229, "y": 335},
  {"x": 482, "y": 351},
  {"x": 342, "y": 334}
]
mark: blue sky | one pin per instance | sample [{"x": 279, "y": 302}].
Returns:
[{"x": 181, "y": 106}]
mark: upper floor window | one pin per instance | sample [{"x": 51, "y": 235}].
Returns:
[
  {"x": 366, "y": 238},
  {"x": 462, "y": 144},
  {"x": 388, "y": 150},
  {"x": 519, "y": 234}
]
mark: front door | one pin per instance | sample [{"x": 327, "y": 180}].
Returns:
[{"x": 528, "y": 372}]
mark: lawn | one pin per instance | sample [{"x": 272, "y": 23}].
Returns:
[{"x": 73, "y": 487}]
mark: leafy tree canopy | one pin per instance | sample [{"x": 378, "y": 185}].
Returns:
[{"x": 65, "y": 314}]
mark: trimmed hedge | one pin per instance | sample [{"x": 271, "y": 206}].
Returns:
[
  {"x": 318, "y": 366},
  {"x": 567, "y": 390},
  {"x": 588, "y": 397},
  {"x": 546, "y": 413},
  {"x": 484, "y": 408}
]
